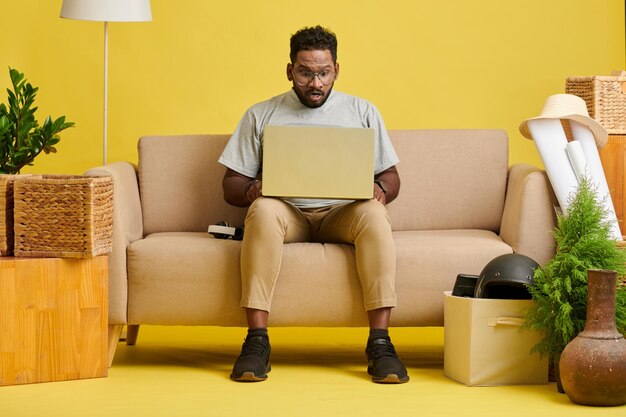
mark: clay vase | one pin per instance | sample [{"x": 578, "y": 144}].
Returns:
[{"x": 593, "y": 364}]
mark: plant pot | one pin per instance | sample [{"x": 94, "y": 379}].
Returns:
[{"x": 593, "y": 365}]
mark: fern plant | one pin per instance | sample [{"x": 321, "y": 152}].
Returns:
[
  {"x": 22, "y": 139},
  {"x": 583, "y": 242}
]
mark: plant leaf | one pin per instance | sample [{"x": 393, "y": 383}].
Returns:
[{"x": 21, "y": 136}]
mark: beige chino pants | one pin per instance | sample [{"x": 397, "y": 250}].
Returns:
[{"x": 271, "y": 222}]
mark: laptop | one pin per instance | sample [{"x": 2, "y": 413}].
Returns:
[{"x": 318, "y": 162}]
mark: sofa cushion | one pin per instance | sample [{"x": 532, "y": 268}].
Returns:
[
  {"x": 180, "y": 182},
  {"x": 451, "y": 179},
  {"x": 427, "y": 264},
  {"x": 194, "y": 279}
]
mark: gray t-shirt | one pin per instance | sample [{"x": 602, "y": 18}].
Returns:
[{"x": 243, "y": 153}]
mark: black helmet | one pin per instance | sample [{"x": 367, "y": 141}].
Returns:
[{"x": 506, "y": 277}]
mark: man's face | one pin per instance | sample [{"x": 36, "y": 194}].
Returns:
[{"x": 313, "y": 91}]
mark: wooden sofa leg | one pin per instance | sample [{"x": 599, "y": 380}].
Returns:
[
  {"x": 132, "y": 330},
  {"x": 115, "y": 331}
]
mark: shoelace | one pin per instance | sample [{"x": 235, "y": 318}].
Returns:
[
  {"x": 253, "y": 346},
  {"x": 379, "y": 348}
]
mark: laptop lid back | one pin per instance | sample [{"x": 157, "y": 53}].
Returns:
[{"x": 318, "y": 162}]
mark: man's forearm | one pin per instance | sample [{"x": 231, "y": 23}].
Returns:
[
  {"x": 234, "y": 191},
  {"x": 391, "y": 182},
  {"x": 236, "y": 187}
]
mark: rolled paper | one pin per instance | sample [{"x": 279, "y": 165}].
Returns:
[
  {"x": 551, "y": 142},
  {"x": 583, "y": 135},
  {"x": 577, "y": 158}
]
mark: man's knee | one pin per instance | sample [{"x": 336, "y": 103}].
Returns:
[
  {"x": 266, "y": 209},
  {"x": 372, "y": 210}
]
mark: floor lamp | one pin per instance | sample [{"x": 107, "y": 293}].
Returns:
[{"x": 107, "y": 11}]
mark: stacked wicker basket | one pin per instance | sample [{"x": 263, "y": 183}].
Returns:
[
  {"x": 55, "y": 215},
  {"x": 605, "y": 97}
]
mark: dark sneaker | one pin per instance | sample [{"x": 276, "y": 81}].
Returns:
[
  {"x": 253, "y": 363},
  {"x": 384, "y": 365}
]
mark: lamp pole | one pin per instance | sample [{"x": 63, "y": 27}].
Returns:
[
  {"x": 106, "y": 90},
  {"x": 107, "y": 11}
]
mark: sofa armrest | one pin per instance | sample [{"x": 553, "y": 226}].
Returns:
[
  {"x": 529, "y": 216},
  {"x": 127, "y": 228}
]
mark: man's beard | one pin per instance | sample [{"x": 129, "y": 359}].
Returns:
[{"x": 313, "y": 105}]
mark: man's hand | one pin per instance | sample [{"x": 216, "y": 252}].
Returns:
[
  {"x": 240, "y": 190},
  {"x": 390, "y": 182},
  {"x": 379, "y": 194},
  {"x": 254, "y": 190}
]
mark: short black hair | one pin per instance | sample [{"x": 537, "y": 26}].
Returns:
[{"x": 313, "y": 39}]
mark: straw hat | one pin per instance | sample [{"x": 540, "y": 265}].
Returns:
[{"x": 568, "y": 107}]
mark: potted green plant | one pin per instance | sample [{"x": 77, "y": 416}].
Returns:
[
  {"x": 21, "y": 136},
  {"x": 583, "y": 242}
]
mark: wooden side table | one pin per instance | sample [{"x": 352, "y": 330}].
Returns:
[
  {"x": 53, "y": 319},
  {"x": 613, "y": 157}
]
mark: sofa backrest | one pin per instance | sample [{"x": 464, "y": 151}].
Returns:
[
  {"x": 180, "y": 183},
  {"x": 451, "y": 179}
]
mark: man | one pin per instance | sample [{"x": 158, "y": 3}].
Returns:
[{"x": 270, "y": 222}]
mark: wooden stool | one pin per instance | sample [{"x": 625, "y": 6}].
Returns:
[{"x": 53, "y": 319}]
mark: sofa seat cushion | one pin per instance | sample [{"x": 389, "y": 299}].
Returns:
[
  {"x": 193, "y": 278},
  {"x": 427, "y": 263}
]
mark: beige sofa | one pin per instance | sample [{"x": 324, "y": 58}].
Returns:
[{"x": 460, "y": 205}]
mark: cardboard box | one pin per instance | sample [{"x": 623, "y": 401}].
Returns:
[{"x": 484, "y": 346}]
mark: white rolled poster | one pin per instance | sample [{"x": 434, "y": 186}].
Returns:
[
  {"x": 596, "y": 173},
  {"x": 577, "y": 158},
  {"x": 551, "y": 142},
  {"x": 565, "y": 163}
]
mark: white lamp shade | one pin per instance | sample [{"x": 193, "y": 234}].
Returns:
[{"x": 107, "y": 10}]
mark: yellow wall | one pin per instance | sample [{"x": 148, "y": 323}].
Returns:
[{"x": 199, "y": 64}]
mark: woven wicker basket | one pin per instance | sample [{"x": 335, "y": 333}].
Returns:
[
  {"x": 63, "y": 216},
  {"x": 6, "y": 212},
  {"x": 605, "y": 98}
]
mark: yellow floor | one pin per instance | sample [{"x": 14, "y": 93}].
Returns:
[{"x": 183, "y": 371}]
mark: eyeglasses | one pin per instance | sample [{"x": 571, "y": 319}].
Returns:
[{"x": 303, "y": 78}]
